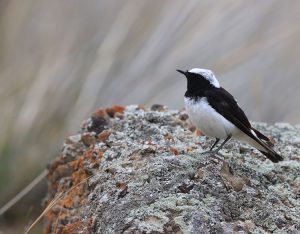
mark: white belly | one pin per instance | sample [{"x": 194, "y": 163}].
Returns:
[{"x": 210, "y": 122}]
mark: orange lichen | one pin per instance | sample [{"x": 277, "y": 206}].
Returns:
[
  {"x": 78, "y": 226},
  {"x": 77, "y": 190},
  {"x": 79, "y": 176},
  {"x": 174, "y": 150},
  {"x": 100, "y": 113},
  {"x": 99, "y": 153},
  {"x": 70, "y": 194},
  {"x": 103, "y": 136},
  {"x": 111, "y": 111},
  {"x": 198, "y": 132}
]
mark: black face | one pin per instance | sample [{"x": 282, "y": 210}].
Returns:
[{"x": 196, "y": 84}]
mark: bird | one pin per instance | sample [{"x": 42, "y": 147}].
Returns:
[{"x": 217, "y": 114}]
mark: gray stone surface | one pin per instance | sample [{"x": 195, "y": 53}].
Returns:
[{"x": 152, "y": 178}]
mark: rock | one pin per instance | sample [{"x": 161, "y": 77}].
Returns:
[
  {"x": 158, "y": 107},
  {"x": 133, "y": 170}
]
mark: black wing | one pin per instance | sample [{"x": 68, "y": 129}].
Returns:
[
  {"x": 262, "y": 137},
  {"x": 225, "y": 104}
]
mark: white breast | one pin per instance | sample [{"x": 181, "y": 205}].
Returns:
[{"x": 209, "y": 121}]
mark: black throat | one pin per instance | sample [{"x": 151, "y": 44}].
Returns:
[{"x": 196, "y": 86}]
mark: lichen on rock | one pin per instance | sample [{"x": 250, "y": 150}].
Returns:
[{"x": 145, "y": 173}]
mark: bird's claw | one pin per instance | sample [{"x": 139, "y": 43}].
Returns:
[{"x": 212, "y": 152}]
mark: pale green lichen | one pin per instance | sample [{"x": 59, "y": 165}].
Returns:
[{"x": 172, "y": 188}]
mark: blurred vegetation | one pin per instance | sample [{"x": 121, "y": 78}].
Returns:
[{"x": 59, "y": 61}]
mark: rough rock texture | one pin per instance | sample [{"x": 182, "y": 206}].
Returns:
[{"x": 147, "y": 175}]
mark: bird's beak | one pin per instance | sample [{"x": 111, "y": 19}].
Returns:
[{"x": 182, "y": 72}]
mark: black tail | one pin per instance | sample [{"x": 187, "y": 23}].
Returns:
[
  {"x": 265, "y": 142},
  {"x": 263, "y": 137},
  {"x": 272, "y": 155}
]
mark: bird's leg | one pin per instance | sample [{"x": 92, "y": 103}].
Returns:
[
  {"x": 216, "y": 142},
  {"x": 210, "y": 150},
  {"x": 224, "y": 142},
  {"x": 220, "y": 147}
]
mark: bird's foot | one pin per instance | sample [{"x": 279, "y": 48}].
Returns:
[{"x": 212, "y": 152}]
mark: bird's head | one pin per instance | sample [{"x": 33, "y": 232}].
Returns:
[{"x": 198, "y": 78}]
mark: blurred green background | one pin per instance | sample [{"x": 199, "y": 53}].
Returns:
[{"x": 60, "y": 60}]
